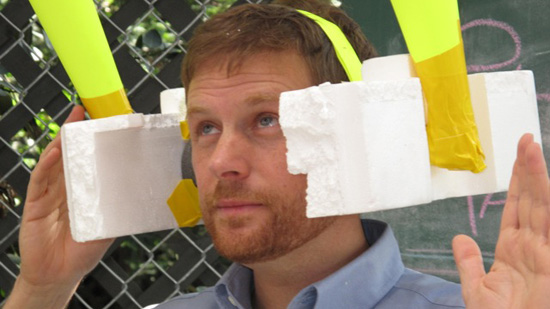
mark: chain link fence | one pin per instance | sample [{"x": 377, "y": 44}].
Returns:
[{"x": 148, "y": 39}]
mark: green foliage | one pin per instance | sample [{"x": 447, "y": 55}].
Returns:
[
  {"x": 3, "y": 3},
  {"x": 212, "y": 8},
  {"x": 45, "y": 121}
]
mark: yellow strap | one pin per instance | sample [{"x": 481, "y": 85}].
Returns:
[
  {"x": 344, "y": 51},
  {"x": 184, "y": 203},
  {"x": 429, "y": 26},
  {"x": 75, "y": 31}
]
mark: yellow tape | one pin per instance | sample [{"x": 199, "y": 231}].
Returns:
[
  {"x": 75, "y": 31},
  {"x": 344, "y": 51},
  {"x": 452, "y": 131},
  {"x": 429, "y": 26},
  {"x": 184, "y": 128},
  {"x": 184, "y": 203},
  {"x": 112, "y": 104},
  {"x": 432, "y": 31}
]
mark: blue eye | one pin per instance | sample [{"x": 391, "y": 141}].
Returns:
[
  {"x": 208, "y": 129},
  {"x": 268, "y": 121}
]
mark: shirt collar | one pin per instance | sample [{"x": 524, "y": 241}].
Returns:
[
  {"x": 373, "y": 273},
  {"x": 234, "y": 289}
]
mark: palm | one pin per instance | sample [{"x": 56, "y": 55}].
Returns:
[{"x": 520, "y": 275}]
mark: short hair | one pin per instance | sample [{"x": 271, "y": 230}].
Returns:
[{"x": 246, "y": 30}]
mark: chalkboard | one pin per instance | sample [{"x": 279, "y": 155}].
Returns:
[{"x": 499, "y": 35}]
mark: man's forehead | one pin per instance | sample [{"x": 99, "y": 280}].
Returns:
[{"x": 258, "y": 99}]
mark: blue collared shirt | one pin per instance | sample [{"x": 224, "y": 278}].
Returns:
[{"x": 375, "y": 279}]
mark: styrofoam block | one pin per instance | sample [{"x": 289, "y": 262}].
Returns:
[
  {"x": 345, "y": 138},
  {"x": 119, "y": 171},
  {"x": 505, "y": 107},
  {"x": 172, "y": 101},
  {"x": 388, "y": 68},
  {"x": 392, "y": 171}
]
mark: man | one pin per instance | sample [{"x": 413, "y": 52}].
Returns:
[{"x": 237, "y": 65}]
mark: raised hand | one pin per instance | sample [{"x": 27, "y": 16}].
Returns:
[
  {"x": 52, "y": 263},
  {"x": 520, "y": 275}
]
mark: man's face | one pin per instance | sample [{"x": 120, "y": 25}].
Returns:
[{"x": 253, "y": 208}]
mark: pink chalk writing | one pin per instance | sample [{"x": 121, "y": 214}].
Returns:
[
  {"x": 471, "y": 215},
  {"x": 500, "y": 25},
  {"x": 486, "y": 203},
  {"x": 543, "y": 97}
]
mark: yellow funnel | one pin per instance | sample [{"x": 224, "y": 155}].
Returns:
[
  {"x": 75, "y": 31},
  {"x": 432, "y": 31}
]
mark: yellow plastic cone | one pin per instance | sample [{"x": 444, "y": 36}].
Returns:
[
  {"x": 432, "y": 31},
  {"x": 75, "y": 31}
]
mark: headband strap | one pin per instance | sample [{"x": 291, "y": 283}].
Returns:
[{"x": 344, "y": 51}]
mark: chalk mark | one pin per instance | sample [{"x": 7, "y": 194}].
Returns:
[
  {"x": 471, "y": 215},
  {"x": 486, "y": 203},
  {"x": 500, "y": 25},
  {"x": 543, "y": 97}
]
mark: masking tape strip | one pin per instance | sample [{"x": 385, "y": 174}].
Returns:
[
  {"x": 184, "y": 203},
  {"x": 344, "y": 51},
  {"x": 112, "y": 104},
  {"x": 452, "y": 131},
  {"x": 184, "y": 128}
]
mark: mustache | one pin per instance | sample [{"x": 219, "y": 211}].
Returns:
[{"x": 236, "y": 190}]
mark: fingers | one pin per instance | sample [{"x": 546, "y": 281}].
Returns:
[
  {"x": 77, "y": 114},
  {"x": 528, "y": 202},
  {"x": 469, "y": 263},
  {"x": 49, "y": 162},
  {"x": 39, "y": 177},
  {"x": 510, "y": 215},
  {"x": 524, "y": 197},
  {"x": 539, "y": 189},
  {"x": 510, "y": 212}
]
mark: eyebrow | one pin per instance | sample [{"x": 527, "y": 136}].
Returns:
[
  {"x": 250, "y": 102},
  {"x": 261, "y": 98},
  {"x": 193, "y": 110}
]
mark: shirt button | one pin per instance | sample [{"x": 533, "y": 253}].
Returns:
[{"x": 232, "y": 301}]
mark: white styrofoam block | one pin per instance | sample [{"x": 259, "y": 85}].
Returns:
[
  {"x": 388, "y": 68},
  {"x": 513, "y": 110},
  {"x": 119, "y": 171},
  {"x": 395, "y": 135},
  {"x": 392, "y": 171},
  {"x": 345, "y": 138},
  {"x": 172, "y": 101}
]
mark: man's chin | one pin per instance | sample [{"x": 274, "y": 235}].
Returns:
[{"x": 243, "y": 241}]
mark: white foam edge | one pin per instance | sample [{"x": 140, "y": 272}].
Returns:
[
  {"x": 172, "y": 101},
  {"x": 78, "y": 156}
]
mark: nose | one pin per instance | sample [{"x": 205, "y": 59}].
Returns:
[{"x": 230, "y": 158}]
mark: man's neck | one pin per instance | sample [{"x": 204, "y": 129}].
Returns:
[{"x": 276, "y": 282}]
